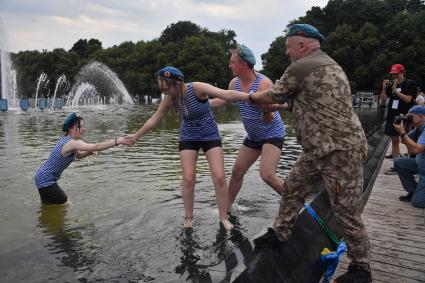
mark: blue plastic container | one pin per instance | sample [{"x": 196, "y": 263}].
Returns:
[
  {"x": 42, "y": 103},
  {"x": 25, "y": 104},
  {"x": 3, "y": 104},
  {"x": 58, "y": 103}
]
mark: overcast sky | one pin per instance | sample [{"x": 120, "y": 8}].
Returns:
[{"x": 49, "y": 24}]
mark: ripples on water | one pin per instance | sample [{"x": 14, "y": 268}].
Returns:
[{"x": 125, "y": 224}]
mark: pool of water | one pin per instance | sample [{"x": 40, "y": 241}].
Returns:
[{"x": 125, "y": 224}]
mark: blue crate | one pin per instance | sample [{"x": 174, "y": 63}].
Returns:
[
  {"x": 58, "y": 104},
  {"x": 42, "y": 103},
  {"x": 3, "y": 104},
  {"x": 25, "y": 104}
]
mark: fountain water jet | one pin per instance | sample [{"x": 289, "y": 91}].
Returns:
[
  {"x": 8, "y": 74},
  {"x": 109, "y": 87},
  {"x": 60, "y": 82},
  {"x": 86, "y": 93},
  {"x": 42, "y": 82}
]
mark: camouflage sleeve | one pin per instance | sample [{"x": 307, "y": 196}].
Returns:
[{"x": 285, "y": 87}]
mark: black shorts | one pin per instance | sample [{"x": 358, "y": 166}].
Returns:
[
  {"x": 196, "y": 145},
  {"x": 259, "y": 144},
  {"x": 52, "y": 194}
]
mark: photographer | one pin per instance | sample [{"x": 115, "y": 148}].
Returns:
[
  {"x": 407, "y": 167},
  {"x": 401, "y": 93}
]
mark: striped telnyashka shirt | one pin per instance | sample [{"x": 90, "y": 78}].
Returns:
[
  {"x": 197, "y": 122},
  {"x": 51, "y": 170},
  {"x": 256, "y": 128}
]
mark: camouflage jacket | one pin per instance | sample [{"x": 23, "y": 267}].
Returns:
[{"x": 319, "y": 91}]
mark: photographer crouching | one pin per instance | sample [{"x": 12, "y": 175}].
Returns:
[{"x": 407, "y": 167}]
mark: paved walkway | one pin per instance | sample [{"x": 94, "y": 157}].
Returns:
[{"x": 396, "y": 232}]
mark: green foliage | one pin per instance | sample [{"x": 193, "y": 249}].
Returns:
[
  {"x": 365, "y": 37},
  {"x": 201, "y": 54}
]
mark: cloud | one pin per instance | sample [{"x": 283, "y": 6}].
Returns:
[{"x": 49, "y": 24}]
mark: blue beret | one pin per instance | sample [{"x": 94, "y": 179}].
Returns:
[
  {"x": 171, "y": 73},
  {"x": 305, "y": 30},
  {"x": 418, "y": 109},
  {"x": 246, "y": 54},
  {"x": 69, "y": 121}
]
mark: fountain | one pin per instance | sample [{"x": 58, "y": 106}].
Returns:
[
  {"x": 84, "y": 94},
  {"x": 8, "y": 74},
  {"x": 63, "y": 86},
  {"x": 42, "y": 84},
  {"x": 108, "y": 87}
]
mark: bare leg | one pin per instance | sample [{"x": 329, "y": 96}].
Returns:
[
  {"x": 270, "y": 156},
  {"x": 395, "y": 146},
  {"x": 188, "y": 160},
  {"x": 216, "y": 162},
  {"x": 245, "y": 159}
]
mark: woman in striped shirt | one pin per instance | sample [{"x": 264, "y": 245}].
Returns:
[
  {"x": 198, "y": 129},
  {"x": 69, "y": 147}
]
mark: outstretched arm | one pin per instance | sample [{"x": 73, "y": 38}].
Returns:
[
  {"x": 283, "y": 90},
  {"x": 163, "y": 108},
  {"x": 204, "y": 91},
  {"x": 82, "y": 149},
  {"x": 217, "y": 102}
]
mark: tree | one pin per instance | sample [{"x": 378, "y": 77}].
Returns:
[{"x": 179, "y": 31}]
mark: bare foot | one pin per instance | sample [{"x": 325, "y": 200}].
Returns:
[
  {"x": 227, "y": 225},
  {"x": 188, "y": 222}
]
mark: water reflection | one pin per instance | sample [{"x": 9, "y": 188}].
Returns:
[
  {"x": 65, "y": 242},
  {"x": 189, "y": 268},
  {"x": 125, "y": 224}
]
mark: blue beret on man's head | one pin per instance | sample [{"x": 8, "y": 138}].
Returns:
[
  {"x": 418, "y": 109},
  {"x": 305, "y": 30},
  {"x": 171, "y": 73},
  {"x": 246, "y": 54}
]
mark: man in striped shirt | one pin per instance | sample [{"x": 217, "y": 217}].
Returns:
[{"x": 265, "y": 131}]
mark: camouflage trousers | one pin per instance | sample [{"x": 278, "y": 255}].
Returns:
[{"x": 342, "y": 174}]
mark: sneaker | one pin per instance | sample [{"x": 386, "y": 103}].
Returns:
[
  {"x": 391, "y": 171},
  {"x": 407, "y": 197},
  {"x": 389, "y": 156},
  {"x": 354, "y": 275},
  {"x": 269, "y": 239}
]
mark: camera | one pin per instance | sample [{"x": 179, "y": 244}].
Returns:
[
  {"x": 390, "y": 82},
  {"x": 401, "y": 117}
]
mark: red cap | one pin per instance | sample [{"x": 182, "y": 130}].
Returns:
[{"x": 397, "y": 68}]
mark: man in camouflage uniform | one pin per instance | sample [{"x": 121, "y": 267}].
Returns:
[{"x": 333, "y": 141}]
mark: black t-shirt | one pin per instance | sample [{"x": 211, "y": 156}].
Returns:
[{"x": 407, "y": 87}]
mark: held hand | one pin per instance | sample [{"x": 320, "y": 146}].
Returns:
[
  {"x": 268, "y": 108},
  {"x": 246, "y": 99},
  {"x": 125, "y": 140},
  {"x": 131, "y": 137}
]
